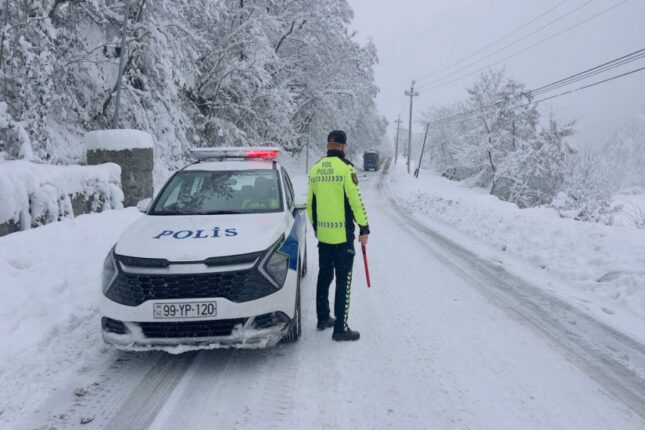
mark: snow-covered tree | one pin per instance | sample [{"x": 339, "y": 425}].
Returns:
[
  {"x": 585, "y": 191},
  {"x": 504, "y": 117},
  {"x": 202, "y": 72},
  {"x": 537, "y": 170},
  {"x": 624, "y": 154},
  {"x": 496, "y": 140},
  {"x": 443, "y": 149}
]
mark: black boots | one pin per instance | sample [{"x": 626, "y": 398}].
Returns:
[
  {"x": 338, "y": 335},
  {"x": 346, "y": 335},
  {"x": 329, "y": 322}
]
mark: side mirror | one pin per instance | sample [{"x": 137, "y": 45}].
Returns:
[
  {"x": 300, "y": 202},
  {"x": 144, "y": 205}
]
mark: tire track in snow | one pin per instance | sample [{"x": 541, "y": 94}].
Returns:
[
  {"x": 284, "y": 371},
  {"x": 97, "y": 394},
  {"x": 235, "y": 389},
  {"x": 139, "y": 408},
  {"x": 612, "y": 359},
  {"x": 420, "y": 356},
  {"x": 102, "y": 397}
]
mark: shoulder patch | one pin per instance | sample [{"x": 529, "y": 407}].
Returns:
[{"x": 354, "y": 178}]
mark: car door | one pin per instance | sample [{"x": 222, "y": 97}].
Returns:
[{"x": 298, "y": 215}]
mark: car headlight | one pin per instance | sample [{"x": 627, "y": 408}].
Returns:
[
  {"x": 109, "y": 270},
  {"x": 277, "y": 264}
]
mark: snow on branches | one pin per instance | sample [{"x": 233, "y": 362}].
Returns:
[
  {"x": 497, "y": 139},
  {"x": 198, "y": 73}
]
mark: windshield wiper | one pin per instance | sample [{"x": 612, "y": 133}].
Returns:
[
  {"x": 221, "y": 213},
  {"x": 195, "y": 213}
]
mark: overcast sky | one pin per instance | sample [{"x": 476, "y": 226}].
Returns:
[{"x": 417, "y": 37}]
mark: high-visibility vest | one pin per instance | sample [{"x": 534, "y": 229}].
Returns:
[{"x": 334, "y": 200}]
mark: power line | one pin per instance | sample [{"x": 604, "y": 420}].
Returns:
[
  {"x": 429, "y": 86},
  {"x": 593, "y": 84},
  {"x": 490, "y": 45},
  {"x": 585, "y": 74},
  {"x": 528, "y": 94},
  {"x": 610, "y": 65},
  {"x": 508, "y": 45}
]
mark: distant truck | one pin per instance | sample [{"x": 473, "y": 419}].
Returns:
[{"x": 370, "y": 160}]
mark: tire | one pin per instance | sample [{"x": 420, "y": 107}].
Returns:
[{"x": 296, "y": 327}]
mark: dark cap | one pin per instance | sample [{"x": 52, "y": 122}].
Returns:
[{"x": 337, "y": 136}]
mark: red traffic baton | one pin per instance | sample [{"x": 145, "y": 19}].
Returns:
[{"x": 367, "y": 269}]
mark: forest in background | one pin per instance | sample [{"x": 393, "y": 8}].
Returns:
[
  {"x": 500, "y": 139},
  {"x": 196, "y": 73}
]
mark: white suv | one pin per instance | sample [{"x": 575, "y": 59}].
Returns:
[{"x": 215, "y": 262}]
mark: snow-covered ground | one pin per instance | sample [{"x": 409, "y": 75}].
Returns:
[
  {"x": 49, "y": 279},
  {"x": 598, "y": 268},
  {"x": 50, "y": 275},
  {"x": 447, "y": 343}
]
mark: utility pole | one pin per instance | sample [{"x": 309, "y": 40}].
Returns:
[
  {"x": 306, "y": 129},
  {"x": 126, "y": 12},
  {"x": 307, "y": 162},
  {"x": 423, "y": 148},
  {"x": 396, "y": 146},
  {"x": 410, "y": 94}
]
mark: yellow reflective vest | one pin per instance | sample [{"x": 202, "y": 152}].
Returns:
[{"x": 334, "y": 200}]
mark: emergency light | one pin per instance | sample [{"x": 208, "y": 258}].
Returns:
[{"x": 253, "y": 152}]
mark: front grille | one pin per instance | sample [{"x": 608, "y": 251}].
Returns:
[
  {"x": 133, "y": 289},
  {"x": 190, "y": 328}
]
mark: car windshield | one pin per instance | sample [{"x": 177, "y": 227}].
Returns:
[{"x": 197, "y": 192}]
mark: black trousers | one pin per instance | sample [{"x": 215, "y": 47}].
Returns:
[{"x": 339, "y": 259}]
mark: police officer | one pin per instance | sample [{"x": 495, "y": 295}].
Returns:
[{"x": 334, "y": 202}]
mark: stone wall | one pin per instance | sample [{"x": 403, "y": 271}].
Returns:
[
  {"x": 9, "y": 227},
  {"x": 32, "y": 194},
  {"x": 136, "y": 170},
  {"x": 81, "y": 204}
]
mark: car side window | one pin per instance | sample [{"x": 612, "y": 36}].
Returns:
[{"x": 289, "y": 188}]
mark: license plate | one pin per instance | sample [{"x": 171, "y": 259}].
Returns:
[{"x": 184, "y": 310}]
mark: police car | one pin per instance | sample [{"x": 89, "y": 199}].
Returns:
[{"x": 216, "y": 260}]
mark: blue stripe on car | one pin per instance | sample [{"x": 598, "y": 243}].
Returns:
[{"x": 290, "y": 245}]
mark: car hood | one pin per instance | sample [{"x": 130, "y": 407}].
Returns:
[{"x": 197, "y": 237}]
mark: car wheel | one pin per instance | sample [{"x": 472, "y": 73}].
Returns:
[{"x": 294, "y": 332}]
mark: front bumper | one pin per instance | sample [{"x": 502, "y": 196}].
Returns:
[
  {"x": 234, "y": 326},
  {"x": 260, "y": 331}
]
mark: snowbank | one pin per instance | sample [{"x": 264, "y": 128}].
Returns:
[
  {"x": 50, "y": 283},
  {"x": 35, "y": 194},
  {"x": 602, "y": 268},
  {"x": 50, "y": 278},
  {"x": 118, "y": 140}
]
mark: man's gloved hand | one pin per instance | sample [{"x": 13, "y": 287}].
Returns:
[{"x": 363, "y": 239}]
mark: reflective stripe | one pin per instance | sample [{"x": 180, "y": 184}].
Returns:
[
  {"x": 333, "y": 224},
  {"x": 347, "y": 295}
]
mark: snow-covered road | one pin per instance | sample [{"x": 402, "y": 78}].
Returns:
[{"x": 449, "y": 341}]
